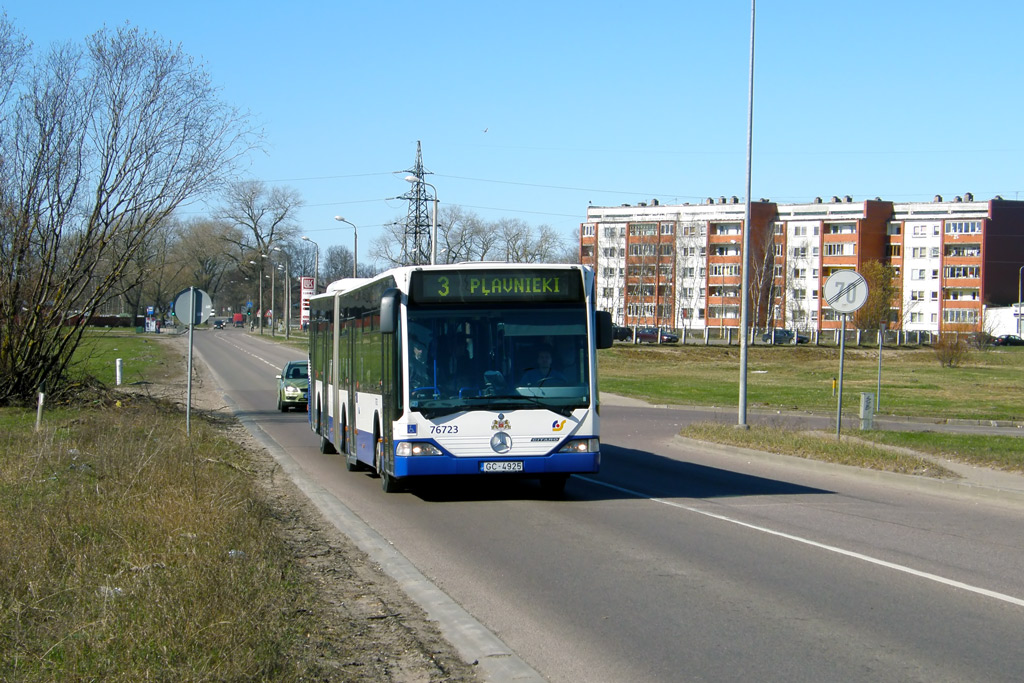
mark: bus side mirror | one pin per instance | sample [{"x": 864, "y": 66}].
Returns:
[
  {"x": 389, "y": 306},
  {"x": 604, "y": 330}
]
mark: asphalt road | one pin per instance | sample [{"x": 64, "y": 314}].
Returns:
[{"x": 684, "y": 562}]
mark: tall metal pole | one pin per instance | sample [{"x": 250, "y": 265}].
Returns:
[
  {"x": 287, "y": 302},
  {"x": 745, "y": 287},
  {"x": 355, "y": 244},
  {"x": 842, "y": 354},
  {"x": 191, "y": 334},
  {"x": 1019, "y": 271},
  {"x": 316, "y": 262},
  {"x": 878, "y": 389},
  {"x": 433, "y": 221}
]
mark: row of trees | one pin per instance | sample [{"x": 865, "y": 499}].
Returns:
[
  {"x": 464, "y": 236},
  {"x": 101, "y": 147}
]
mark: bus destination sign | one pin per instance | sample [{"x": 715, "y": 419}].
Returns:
[{"x": 434, "y": 287}]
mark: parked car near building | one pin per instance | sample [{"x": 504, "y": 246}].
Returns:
[
  {"x": 1008, "y": 340},
  {"x": 621, "y": 333},
  {"x": 293, "y": 385},
  {"x": 654, "y": 335},
  {"x": 779, "y": 335}
]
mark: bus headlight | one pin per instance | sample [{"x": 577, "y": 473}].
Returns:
[
  {"x": 407, "y": 448},
  {"x": 581, "y": 446}
]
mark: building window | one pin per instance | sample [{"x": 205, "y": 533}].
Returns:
[
  {"x": 587, "y": 251},
  {"x": 611, "y": 232},
  {"x": 643, "y": 229},
  {"x": 588, "y": 230},
  {"x": 960, "y": 315},
  {"x": 895, "y": 250},
  {"x": 963, "y": 250},
  {"x": 668, "y": 228},
  {"x": 642, "y": 249},
  {"x": 963, "y": 271},
  {"x": 841, "y": 229},
  {"x": 917, "y": 274},
  {"x": 894, "y": 228},
  {"x": 962, "y": 227},
  {"x": 665, "y": 249},
  {"x": 725, "y": 229}
]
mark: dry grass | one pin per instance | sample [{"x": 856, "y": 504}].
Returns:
[
  {"x": 129, "y": 553},
  {"x": 818, "y": 446}
]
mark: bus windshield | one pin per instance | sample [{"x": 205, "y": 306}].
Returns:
[{"x": 499, "y": 357}]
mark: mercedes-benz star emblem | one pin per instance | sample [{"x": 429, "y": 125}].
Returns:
[{"x": 501, "y": 442}]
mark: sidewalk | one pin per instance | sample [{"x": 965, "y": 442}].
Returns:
[{"x": 983, "y": 482}]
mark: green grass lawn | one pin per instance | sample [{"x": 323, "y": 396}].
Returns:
[{"x": 988, "y": 386}]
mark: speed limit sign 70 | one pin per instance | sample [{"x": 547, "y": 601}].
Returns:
[{"x": 846, "y": 291}]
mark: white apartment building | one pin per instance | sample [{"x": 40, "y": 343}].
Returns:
[{"x": 680, "y": 266}]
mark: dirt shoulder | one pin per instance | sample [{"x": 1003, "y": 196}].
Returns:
[{"x": 367, "y": 629}]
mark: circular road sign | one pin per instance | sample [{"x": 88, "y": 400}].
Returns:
[
  {"x": 183, "y": 306},
  {"x": 846, "y": 291}
]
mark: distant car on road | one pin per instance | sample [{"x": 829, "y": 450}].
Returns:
[
  {"x": 779, "y": 335},
  {"x": 650, "y": 335},
  {"x": 1008, "y": 340},
  {"x": 293, "y": 385},
  {"x": 218, "y": 325}
]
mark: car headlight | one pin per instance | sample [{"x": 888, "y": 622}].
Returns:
[
  {"x": 581, "y": 446},
  {"x": 292, "y": 391},
  {"x": 406, "y": 448}
]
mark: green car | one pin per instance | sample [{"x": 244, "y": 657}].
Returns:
[{"x": 293, "y": 385}]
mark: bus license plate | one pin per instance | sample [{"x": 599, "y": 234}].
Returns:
[{"x": 504, "y": 466}]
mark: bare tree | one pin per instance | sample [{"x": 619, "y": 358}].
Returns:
[
  {"x": 337, "y": 264},
  {"x": 100, "y": 146},
  {"x": 463, "y": 236},
  {"x": 883, "y": 292},
  {"x": 264, "y": 216}
]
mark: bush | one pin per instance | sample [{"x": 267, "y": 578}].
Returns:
[{"x": 951, "y": 350}]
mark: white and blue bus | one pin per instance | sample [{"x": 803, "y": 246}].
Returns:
[{"x": 475, "y": 368}]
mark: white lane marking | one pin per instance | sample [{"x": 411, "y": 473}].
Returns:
[
  {"x": 250, "y": 353},
  {"x": 823, "y": 546}
]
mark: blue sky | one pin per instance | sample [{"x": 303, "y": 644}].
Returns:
[{"x": 531, "y": 110}]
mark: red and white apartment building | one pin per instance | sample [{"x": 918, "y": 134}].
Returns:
[{"x": 680, "y": 266}]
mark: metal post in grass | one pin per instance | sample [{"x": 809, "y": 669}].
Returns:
[
  {"x": 842, "y": 354},
  {"x": 878, "y": 389}
]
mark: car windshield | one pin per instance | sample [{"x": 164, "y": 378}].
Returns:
[
  {"x": 499, "y": 358},
  {"x": 296, "y": 371}
]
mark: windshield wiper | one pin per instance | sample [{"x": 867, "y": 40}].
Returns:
[{"x": 564, "y": 411}]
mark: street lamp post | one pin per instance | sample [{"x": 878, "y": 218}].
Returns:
[
  {"x": 316, "y": 262},
  {"x": 273, "y": 298},
  {"x": 433, "y": 221},
  {"x": 1019, "y": 271},
  {"x": 260, "y": 278},
  {"x": 355, "y": 244}
]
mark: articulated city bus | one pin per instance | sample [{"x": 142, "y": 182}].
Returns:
[{"x": 476, "y": 368}]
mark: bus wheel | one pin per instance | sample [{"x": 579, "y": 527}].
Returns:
[
  {"x": 388, "y": 482},
  {"x": 326, "y": 447}
]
